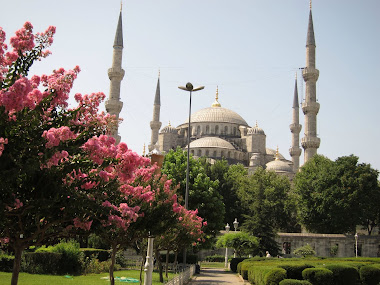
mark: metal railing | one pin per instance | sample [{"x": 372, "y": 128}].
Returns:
[{"x": 183, "y": 277}]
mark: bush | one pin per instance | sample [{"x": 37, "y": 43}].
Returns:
[
  {"x": 294, "y": 282},
  {"x": 95, "y": 241},
  {"x": 42, "y": 263},
  {"x": 370, "y": 275},
  {"x": 294, "y": 271},
  {"x": 214, "y": 258},
  {"x": 344, "y": 274},
  {"x": 234, "y": 263},
  {"x": 95, "y": 266},
  {"x": 318, "y": 276},
  {"x": 71, "y": 262},
  {"x": 244, "y": 267},
  {"x": 274, "y": 276},
  {"x": 304, "y": 251},
  {"x": 6, "y": 262},
  {"x": 92, "y": 253}
]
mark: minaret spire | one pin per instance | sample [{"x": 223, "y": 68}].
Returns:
[
  {"x": 155, "y": 124},
  {"x": 116, "y": 75},
  {"x": 295, "y": 128},
  {"x": 310, "y": 142}
]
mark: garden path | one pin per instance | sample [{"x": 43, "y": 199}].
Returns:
[{"x": 215, "y": 276}]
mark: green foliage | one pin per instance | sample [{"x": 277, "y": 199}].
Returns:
[
  {"x": 266, "y": 198},
  {"x": 203, "y": 193},
  {"x": 234, "y": 263},
  {"x": 370, "y": 275},
  {"x": 335, "y": 196},
  {"x": 93, "y": 253},
  {"x": 96, "y": 241},
  {"x": 334, "y": 250},
  {"x": 304, "y": 251},
  {"x": 96, "y": 266},
  {"x": 214, "y": 258},
  {"x": 42, "y": 263},
  {"x": 274, "y": 276},
  {"x": 6, "y": 262},
  {"x": 344, "y": 274},
  {"x": 294, "y": 271},
  {"x": 318, "y": 276},
  {"x": 294, "y": 282},
  {"x": 242, "y": 242}
]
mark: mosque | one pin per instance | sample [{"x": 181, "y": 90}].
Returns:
[{"x": 217, "y": 132}]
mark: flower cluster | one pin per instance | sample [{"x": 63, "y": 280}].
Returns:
[
  {"x": 3, "y": 141},
  {"x": 55, "y": 136}
]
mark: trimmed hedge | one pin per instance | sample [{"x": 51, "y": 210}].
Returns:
[
  {"x": 234, "y": 263},
  {"x": 214, "y": 258},
  {"x": 266, "y": 275},
  {"x": 42, "y": 263},
  {"x": 6, "y": 262},
  {"x": 275, "y": 276},
  {"x": 370, "y": 275},
  {"x": 344, "y": 274},
  {"x": 318, "y": 276},
  {"x": 294, "y": 282},
  {"x": 294, "y": 271}
]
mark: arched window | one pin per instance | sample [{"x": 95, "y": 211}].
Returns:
[
  {"x": 198, "y": 130},
  {"x": 228, "y": 154},
  {"x": 222, "y": 153},
  {"x": 207, "y": 129},
  {"x": 225, "y": 130},
  {"x": 235, "y": 155},
  {"x": 199, "y": 152},
  {"x": 216, "y": 129},
  {"x": 207, "y": 153},
  {"x": 214, "y": 154},
  {"x": 234, "y": 131},
  {"x": 192, "y": 152}
]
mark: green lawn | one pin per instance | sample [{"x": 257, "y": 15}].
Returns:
[{"x": 90, "y": 279}]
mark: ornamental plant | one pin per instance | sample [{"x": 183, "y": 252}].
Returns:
[{"x": 58, "y": 167}]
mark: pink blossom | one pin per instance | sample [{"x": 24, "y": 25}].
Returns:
[
  {"x": 82, "y": 225},
  {"x": 2, "y": 143},
  {"x": 24, "y": 39},
  {"x": 55, "y": 136},
  {"x": 18, "y": 204}
]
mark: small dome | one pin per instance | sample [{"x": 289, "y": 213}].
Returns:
[
  {"x": 211, "y": 142},
  {"x": 279, "y": 166},
  {"x": 273, "y": 152},
  {"x": 169, "y": 130},
  {"x": 256, "y": 130}
]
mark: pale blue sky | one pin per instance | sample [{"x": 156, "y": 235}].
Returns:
[{"x": 250, "y": 48}]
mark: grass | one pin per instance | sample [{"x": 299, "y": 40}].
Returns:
[{"x": 93, "y": 279}]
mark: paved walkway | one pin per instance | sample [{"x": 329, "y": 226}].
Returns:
[{"x": 215, "y": 276}]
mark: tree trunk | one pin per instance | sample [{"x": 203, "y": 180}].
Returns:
[
  {"x": 141, "y": 268},
  {"x": 175, "y": 261},
  {"x": 159, "y": 264},
  {"x": 113, "y": 258},
  {"x": 16, "y": 264}
]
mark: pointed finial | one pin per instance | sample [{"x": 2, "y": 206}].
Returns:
[
  {"x": 310, "y": 4},
  {"x": 296, "y": 75},
  {"x": 256, "y": 126},
  {"x": 121, "y": 6},
  {"x": 169, "y": 124},
  {"x": 159, "y": 73},
  {"x": 144, "y": 150},
  {"x": 216, "y": 103},
  {"x": 277, "y": 156}
]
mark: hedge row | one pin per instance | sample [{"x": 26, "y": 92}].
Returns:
[{"x": 292, "y": 271}]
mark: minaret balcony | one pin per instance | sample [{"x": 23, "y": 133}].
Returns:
[
  {"x": 295, "y": 151},
  {"x": 295, "y": 128},
  {"x": 310, "y": 142},
  {"x": 310, "y": 74},
  {"x": 154, "y": 125},
  {"x": 310, "y": 107},
  {"x": 116, "y": 73},
  {"x": 113, "y": 106}
]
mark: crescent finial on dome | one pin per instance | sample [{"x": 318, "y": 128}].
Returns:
[
  {"x": 216, "y": 103},
  {"x": 277, "y": 155},
  {"x": 144, "y": 150}
]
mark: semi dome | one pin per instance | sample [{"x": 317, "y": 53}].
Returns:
[
  {"x": 279, "y": 166},
  {"x": 211, "y": 142}
]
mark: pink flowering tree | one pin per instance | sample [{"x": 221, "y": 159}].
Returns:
[{"x": 58, "y": 167}]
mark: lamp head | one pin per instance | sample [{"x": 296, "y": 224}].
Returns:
[{"x": 189, "y": 86}]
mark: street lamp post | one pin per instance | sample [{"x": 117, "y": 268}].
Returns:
[
  {"x": 189, "y": 87},
  {"x": 356, "y": 244},
  {"x": 226, "y": 256},
  {"x": 236, "y": 223}
]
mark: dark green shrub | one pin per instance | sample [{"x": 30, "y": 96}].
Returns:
[
  {"x": 234, "y": 262},
  {"x": 244, "y": 267},
  {"x": 318, "y": 276},
  {"x": 95, "y": 241},
  {"x": 6, "y": 262},
  {"x": 42, "y": 263},
  {"x": 344, "y": 274},
  {"x": 238, "y": 270},
  {"x": 370, "y": 275},
  {"x": 71, "y": 262},
  {"x": 214, "y": 258},
  {"x": 190, "y": 258},
  {"x": 274, "y": 276},
  {"x": 304, "y": 251},
  {"x": 100, "y": 254},
  {"x": 294, "y": 271},
  {"x": 294, "y": 282}
]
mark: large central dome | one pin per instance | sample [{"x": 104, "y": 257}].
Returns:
[{"x": 217, "y": 115}]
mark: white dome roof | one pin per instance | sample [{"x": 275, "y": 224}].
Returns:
[
  {"x": 211, "y": 142},
  {"x": 168, "y": 129},
  {"x": 217, "y": 115},
  {"x": 256, "y": 130},
  {"x": 279, "y": 166}
]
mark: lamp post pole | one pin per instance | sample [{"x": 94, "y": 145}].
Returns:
[
  {"x": 356, "y": 244},
  {"x": 189, "y": 87},
  {"x": 226, "y": 256},
  {"x": 236, "y": 223}
]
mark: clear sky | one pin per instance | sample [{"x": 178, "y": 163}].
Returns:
[{"x": 251, "y": 49}]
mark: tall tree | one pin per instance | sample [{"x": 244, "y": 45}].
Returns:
[
  {"x": 336, "y": 196},
  {"x": 265, "y": 197},
  {"x": 203, "y": 194}
]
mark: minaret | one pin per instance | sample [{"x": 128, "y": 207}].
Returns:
[
  {"x": 295, "y": 128},
  {"x": 310, "y": 142},
  {"x": 116, "y": 74},
  {"x": 155, "y": 124}
]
